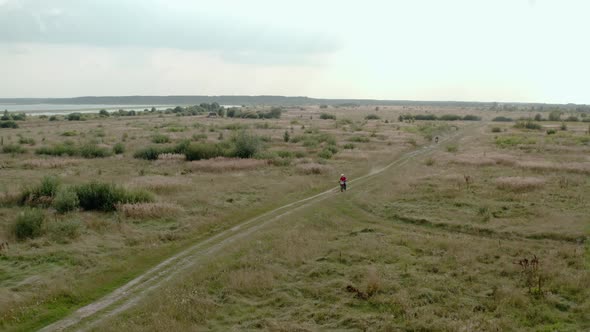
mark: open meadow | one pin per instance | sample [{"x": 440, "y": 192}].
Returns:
[{"x": 485, "y": 230}]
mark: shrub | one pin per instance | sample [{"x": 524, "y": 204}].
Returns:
[
  {"x": 426, "y": 117},
  {"x": 105, "y": 196},
  {"x": 69, "y": 133},
  {"x": 471, "y": 118},
  {"x": 527, "y": 125},
  {"x": 199, "y": 137},
  {"x": 286, "y": 136},
  {"x": 359, "y": 139},
  {"x": 41, "y": 194},
  {"x": 327, "y": 116},
  {"x": 332, "y": 148},
  {"x": 348, "y": 146},
  {"x": 563, "y": 126},
  {"x": 372, "y": 117},
  {"x": 74, "y": 117},
  {"x": 29, "y": 224},
  {"x": 25, "y": 140},
  {"x": 53, "y": 118},
  {"x": 93, "y": 151},
  {"x": 496, "y": 129},
  {"x": 62, "y": 231},
  {"x": 551, "y": 131},
  {"x": 452, "y": 148},
  {"x": 118, "y": 148},
  {"x": 245, "y": 145},
  {"x": 502, "y": 119},
  {"x": 148, "y": 153},
  {"x": 14, "y": 149},
  {"x": 66, "y": 148},
  {"x": 429, "y": 162},
  {"x": 8, "y": 124},
  {"x": 65, "y": 201},
  {"x": 202, "y": 151},
  {"x": 326, "y": 154},
  {"x": 160, "y": 138}
]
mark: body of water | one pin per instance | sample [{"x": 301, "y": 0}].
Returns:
[{"x": 59, "y": 109}]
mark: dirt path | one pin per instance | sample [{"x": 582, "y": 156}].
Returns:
[{"x": 131, "y": 293}]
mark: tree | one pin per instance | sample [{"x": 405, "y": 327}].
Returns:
[
  {"x": 555, "y": 115},
  {"x": 286, "y": 136},
  {"x": 538, "y": 117},
  {"x": 103, "y": 113},
  {"x": 5, "y": 117}
]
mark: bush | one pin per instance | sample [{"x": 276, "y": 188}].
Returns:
[
  {"x": 452, "y": 148},
  {"x": 359, "y": 139},
  {"x": 14, "y": 149},
  {"x": 372, "y": 117},
  {"x": 502, "y": 119},
  {"x": 450, "y": 117},
  {"x": 326, "y": 154},
  {"x": 25, "y": 140},
  {"x": 66, "y": 148},
  {"x": 245, "y": 145},
  {"x": 471, "y": 118},
  {"x": 65, "y": 201},
  {"x": 148, "y": 153},
  {"x": 563, "y": 126},
  {"x": 8, "y": 124},
  {"x": 69, "y": 133},
  {"x": 202, "y": 151},
  {"x": 496, "y": 129},
  {"x": 105, "y": 196},
  {"x": 74, "y": 117},
  {"x": 327, "y": 116},
  {"x": 29, "y": 224},
  {"x": 93, "y": 151},
  {"x": 64, "y": 230},
  {"x": 332, "y": 148},
  {"x": 551, "y": 131},
  {"x": 118, "y": 148},
  {"x": 53, "y": 118},
  {"x": 348, "y": 146},
  {"x": 527, "y": 125},
  {"x": 41, "y": 194},
  {"x": 160, "y": 138}
]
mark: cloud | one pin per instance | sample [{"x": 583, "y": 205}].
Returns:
[{"x": 157, "y": 24}]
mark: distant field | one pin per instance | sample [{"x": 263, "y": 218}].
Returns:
[{"x": 436, "y": 243}]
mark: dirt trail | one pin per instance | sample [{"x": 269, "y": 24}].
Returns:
[{"x": 131, "y": 293}]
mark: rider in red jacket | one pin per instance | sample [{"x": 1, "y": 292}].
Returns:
[{"x": 342, "y": 183}]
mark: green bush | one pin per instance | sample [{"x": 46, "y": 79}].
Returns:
[
  {"x": 502, "y": 119},
  {"x": 496, "y": 130},
  {"x": 160, "y": 139},
  {"x": 452, "y": 148},
  {"x": 14, "y": 149},
  {"x": 29, "y": 224},
  {"x": 372, "y": 117},
  {"x": 69, "y": 133},
  {"x": 359, "y": 139},
  {"x": 118, "y": 148},
  {"x": 551, "y": 131},
  {"x": 527, "y": 125},
  {"x": 62, "y": 231},
  {"x": 148, "y": 153},
  {"x": 563, "y": 126},
  {"x": 42, "y": 194},
  {"x": 332, "y": 148},
  {"x": 246, "y": 144},
  {"x": 325, "y": 154},
  {"x": 25, "y": 140},
  {"x": 66, "y": 148},
  {"x": 200, "y": 151},
  {"x": 8, "y": 124},
  {"x": 105, "y": 196},
  {"x": 53, "y": 118},
  {"x": 65, "y": 201},
  {"x": 450, "y": 117},
  {"x": 348, "y": 146},
  {"x": 93, "y": 151},
  {"x": 74, "y": 117},
  {"x": 327, "y": 116},
  {"x": 470, "y": 117}
]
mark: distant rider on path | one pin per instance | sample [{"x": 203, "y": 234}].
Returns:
[{"x": 342, "y": 183}]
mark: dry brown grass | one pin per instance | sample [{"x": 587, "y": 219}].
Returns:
[
  {"x": 159, "y": 183},
  {"x": 222, "y": 164},
  {"x": 9, "y": 198},
  {"x": 572, "y": 167},
  {"x": 519, "y": 184},
  {"x": 50, "y": 163},
  {"x": 149, "y": 210},
  {"x": 249, "y": 280},
  {"x": 312, "y": 168},
  {"x": 372, "y": 281},
  {"x": 171, "y": 157}
]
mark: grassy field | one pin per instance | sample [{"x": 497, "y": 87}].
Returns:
[{"x": 438, "y": 243}]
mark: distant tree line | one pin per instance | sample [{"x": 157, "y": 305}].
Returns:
[{"x": 432, "y": 117}]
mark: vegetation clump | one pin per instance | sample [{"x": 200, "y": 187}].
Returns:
[
  {"x": 29, "y": 224},
  {"x": 105, "y": 196}
]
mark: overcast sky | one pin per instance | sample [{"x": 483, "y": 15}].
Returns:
[{"x": 482, "y": 50}]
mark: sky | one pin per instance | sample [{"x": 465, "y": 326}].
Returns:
[{"x": 468, "y": 50}]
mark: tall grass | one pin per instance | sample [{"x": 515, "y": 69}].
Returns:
[{"x": 106, "y": 196}]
